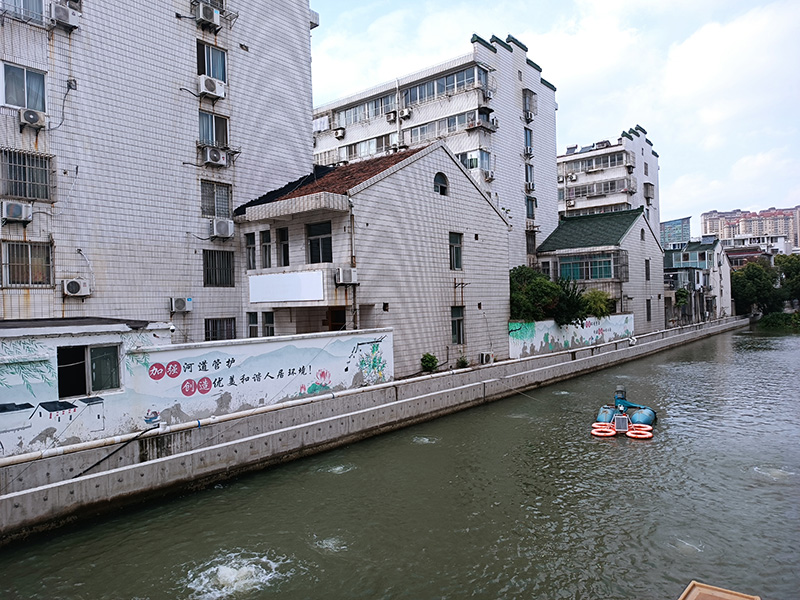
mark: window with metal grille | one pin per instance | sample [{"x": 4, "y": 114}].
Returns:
[
  {"x": 220, "y": 329},
  {"x": 456, "y": 243},
  {"x": 27, "y": 264},
  {"x": 457, "y": 324},
  {"x": 218, "y": 4},
  {"x": 218, "y": 268},
  {"x": 27, "y": 10},
  {"x": 24, "y": 175},
  {"x": 215, "y": 199}
]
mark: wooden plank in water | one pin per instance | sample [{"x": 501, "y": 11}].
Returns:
[{"x": 702, "y": 591}]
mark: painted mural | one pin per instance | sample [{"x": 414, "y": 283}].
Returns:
[
  {"x": 542, "y": 337},
  {"x": 170, "y": 384}
]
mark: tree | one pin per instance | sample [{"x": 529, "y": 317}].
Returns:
[
  {"x": 570, "y": 309},
  {"x": 597, "y": 303},
  {"x": 533, "y": 295},
  {"x": 755, "y": 286},
  {"x": 789, "y": 265}
]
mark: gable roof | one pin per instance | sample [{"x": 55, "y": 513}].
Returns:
[
  {"x": 589, "y": 231},
  {"x": 335, "y": 180}
]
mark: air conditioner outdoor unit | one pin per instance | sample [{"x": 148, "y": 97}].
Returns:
[
  {"x": 214, "y": 157},
  {"x": 488, "y": 94},
  {"x": 573, "y": 177},
  {"x": 180, "y": 305},
  {"x": 32, "y": 118},
  {"x": 209, "y": 87},
  {"x": 17, "y": 211},
  {"x": 530, "y": 187},
  {"x": 391, "y": 116},
  {"x": 405, "y": 113},
  {"x": 560, "y": 179},
  {"x": 346, "y": 276},
  {"x": 488, "y": 175},
  {"x": 487, "y": 358},
  {"x": 76, "y": 287},
  {"x": 207, "y": 16},
  {"x": 66, "y": 17},
  {"x": 528, "y": 116},
  {"x": 222, "y": 228},
  {"x": 339, "y": 133},
  {"x": 570, "y": 203},
  {"x": 528, "y": 151}
]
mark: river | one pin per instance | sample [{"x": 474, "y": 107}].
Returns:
[{"x": 514, "y": 499}]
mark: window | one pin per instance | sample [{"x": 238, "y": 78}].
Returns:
[
  {"x": 252, "y": 324},
  {"x": 283, "y": 247},
  {"x": 27, "y": 264},
  {"x": 530, "y": 207},
  {"x": 213, "y": 130},
  {"x": 648, "y": 308},
  {"x": 268, "y": 324},
  {"x": 84, "y": 370},
  {"x": 23, "y": 87},
  {"x": 456, "y": 243},
  {"x": 528, "y": 137},
  {"x": 529, "y": 101},
  {"x": 641, "y": 234},
  {"x": 545, "y": 267},
  {"x": 530, "y": 242},
  {"x": 585, "y": 267},
  {"x": 250, "y": 251},
  {"x": 220, "y": 329},
  {"x": 27, "y": 10},
  {"x": 24, "y": 175},
  {"x": 320, "y": 248},
  {"x": 457, "y": 324},
  {"x": 647, "y": 270},
  {"x": 476, "y": 159},
  {"x": 218, "y": 268},
  {"x": 266, "y": 250},
  {"x": 215, "y": 199},
  {"x": 646, "y": 169},
  {"x": 211, "y": 61},
  {"x": 528, "y": 173},
  {"x": 440, "y": 184}
]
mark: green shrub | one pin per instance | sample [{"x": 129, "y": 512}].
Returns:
[
  {"x": 462, "y": 362},
  {"x": 429, "y": 362},
  {"x": 597, "y": 303},
  {"x": 780, "y": 322}
]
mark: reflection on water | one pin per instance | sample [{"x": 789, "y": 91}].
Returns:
[{"x": 510, "y": 500}]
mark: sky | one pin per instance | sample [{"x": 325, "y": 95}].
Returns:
[{"x": 716, "y": 83}]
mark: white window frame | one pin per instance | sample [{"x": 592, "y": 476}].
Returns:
[
  {"x": 219, "y": 129},
  {"x": 27, "y": 91},
  {"x": 208, "y": 64},
  {"x": 25, "y": 10}
]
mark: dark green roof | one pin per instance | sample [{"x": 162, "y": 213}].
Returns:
[{"x": 590, "y": 231}]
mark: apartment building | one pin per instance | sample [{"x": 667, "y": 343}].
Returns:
[
  {"x": 606, "y": 177},
  {"x": 730, "y": 225},
  {"x": 493, "y": 109},
  {"x": 407, "y": 240},
  {"x": 126, "y": 144},
  {"x": 617, "y": 252}
]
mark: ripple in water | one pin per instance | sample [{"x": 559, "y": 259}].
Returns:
[
  {"x": 331, "y": 545},
  {"x": 237, "y": 572},
  {"x": 773, "y": 473},
  {"x": 337, "y": 469},
  {"x": 421, "y": 439}
]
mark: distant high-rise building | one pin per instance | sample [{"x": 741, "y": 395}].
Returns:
[
  {"x": 772, "y": 221},
  {"x": 675, "y": 234}
]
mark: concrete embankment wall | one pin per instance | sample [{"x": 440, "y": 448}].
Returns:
[{"x": 44, "y": 490}]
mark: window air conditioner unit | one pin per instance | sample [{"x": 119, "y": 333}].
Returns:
[
  {"x": 488, "y": 175},
  {"x": 570, "y": 203},
  {"x": 222, "y": 228},
  {"x": 530, "y": 187},
  {"x": 63, "y": 15},
  {"x": 339, "y": 133},
  {"x": 207, "y": 16},
  {"x": 487, "y": 358},
  {"x": 214, "y": 157},
  {"x": 391, "y": 116},
  {"x": 17, "y": 211},
  {"x": 180, "y": 305},
  {"x": 210, "y": 88},
  {"x": 76, "y": 287},
  {"x": 31, "y": 118},
  {"x": 405, "y": 113},
  {"x": 528, "y": 116},
  {"x": 346, "y": 276},
  {"x": 560, "y": 179}
]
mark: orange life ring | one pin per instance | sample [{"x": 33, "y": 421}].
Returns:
[
  {"x": 641, "y": 427},
  {"x": 604, "y": 432},
  {"x": 639, "y": 435},
  {"x": 600, "y": 425}
]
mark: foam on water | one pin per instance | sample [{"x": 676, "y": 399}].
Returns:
[
  {"x": 421, "y": 439},
  {"x": 773, "y": 473},
  {"x": 236, "y": 572},
  {"x": 337, "y": 469},
  {"x": 332, "y": 544}
]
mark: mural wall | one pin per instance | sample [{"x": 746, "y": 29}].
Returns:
[
  {"x": 542, "y": 337},
  {"x": 173, "y": 384}
]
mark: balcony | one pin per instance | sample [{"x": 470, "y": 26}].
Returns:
[
  {"x": 320, "y": 202},
  {"x": 489, "y": 125}
]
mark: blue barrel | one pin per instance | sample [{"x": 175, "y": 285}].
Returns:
[
  {"x": 606, "y": 414},
  {"x": 644, "y": 416}
]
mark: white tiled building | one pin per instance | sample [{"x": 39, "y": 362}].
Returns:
[
  {"x": 496, "y": 113},
  {"x": 407, "y": 241},
  {"x": 604, "y": 177},
  {"x": 126, "y": 143}
]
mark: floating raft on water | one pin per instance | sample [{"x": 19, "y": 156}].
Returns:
[
  {"x": 702, "y": 591},
  {"x": 613, "y": 418}
]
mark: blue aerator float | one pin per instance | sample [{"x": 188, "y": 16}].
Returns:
[{"x": 614, "y": 419}]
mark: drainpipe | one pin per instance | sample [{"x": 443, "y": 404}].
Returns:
[
  {"x": 353, "y": 262},
  {"x": 397, "y": 110}
]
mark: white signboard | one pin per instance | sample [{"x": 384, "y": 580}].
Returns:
[{"x": 287, "y": 287}]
